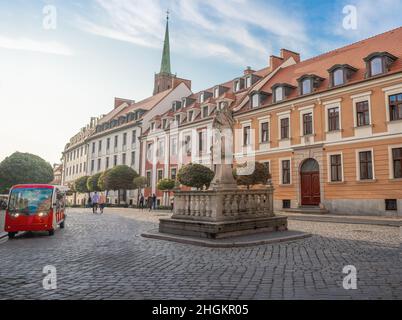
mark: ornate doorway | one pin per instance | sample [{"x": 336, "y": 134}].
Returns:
[{"x": 310, "y": 183}]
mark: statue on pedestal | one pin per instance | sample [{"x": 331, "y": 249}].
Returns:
[{"x": 222, "y": 149}]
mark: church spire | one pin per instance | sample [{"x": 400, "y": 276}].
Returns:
[{"x": 165, "y": 65}]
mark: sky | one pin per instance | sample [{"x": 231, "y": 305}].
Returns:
[{"x": 63, "y": 62}]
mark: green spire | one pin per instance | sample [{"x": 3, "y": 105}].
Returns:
[{"x": 165, "y": 65}]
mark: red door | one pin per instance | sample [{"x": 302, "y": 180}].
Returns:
[{"x": 310, "y": 188}]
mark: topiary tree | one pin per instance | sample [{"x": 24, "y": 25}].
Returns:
[
  {"x": 80, "y": 186},
  {"x": 166, "y": 185},
  {"x": 195, "y": 176},
  {"x": 23, "y": 168},
  {"x": 92, "y": 182},
  {"x": 260, "y": 175},
  {"x": 120, "y": 178},
  {"x": 101, "y": 181}
]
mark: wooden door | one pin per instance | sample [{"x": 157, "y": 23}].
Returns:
[{"x": 310, "y": 188}]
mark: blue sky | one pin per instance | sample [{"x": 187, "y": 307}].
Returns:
[{"x": 53, "y": 81}]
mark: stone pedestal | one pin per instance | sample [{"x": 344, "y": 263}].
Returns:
[{"x": 220, "y": 213}]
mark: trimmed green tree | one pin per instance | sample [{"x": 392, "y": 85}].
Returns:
[
  {"x": 195, "y": 175},
  {"x": 24, "y": 168},
  {"x": 260, "y": 175},
  {"x": 101, "y": 181},
  {"x": 92, "y": 182},
  {"x": 166, "y": 185},
  {"x": 80, "y": 186},
  {"x": 120, "y": 178}
]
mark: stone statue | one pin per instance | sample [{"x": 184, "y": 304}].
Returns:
[{"x": 222, "y": 149}]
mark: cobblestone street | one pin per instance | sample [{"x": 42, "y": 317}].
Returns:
[{"x": 104, "y": 257}]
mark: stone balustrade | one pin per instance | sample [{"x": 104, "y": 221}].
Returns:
[{"x": 223, "y": 205}]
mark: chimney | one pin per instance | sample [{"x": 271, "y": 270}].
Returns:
[
  {"x": 275, "y": 62},
  {"x": 286, "y": 54},
  {"x": 248, "y": 71}
]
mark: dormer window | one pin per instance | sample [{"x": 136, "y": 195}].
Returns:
[
  {"x": 306, "y": 86},
  {"x": 308, "y": 83},
  {"x": 183, "y": 102},
  {"x": 205, "y": 112},
  {"x": 164, "y": 123},
  {"x": 202, "y": 97},
  {"x": 255, "y": 100},
  {"x": 338, "y": 78},
  {"x": 152, "y": 125},
  {"x": 376, "y": 66},
  {"x": 248, "y": 82},
  {"x": 177, "y": 118},
  {"x": 238, "y": 84},
  {"x": 281, "y": 91},
  {"x": 216, "y": 92},
  {"x": 279, "y": 96},
  {"x": 190, "y": 115},
  {"x": 378, "y": 63},
  {"x": 340, "y": 74}
]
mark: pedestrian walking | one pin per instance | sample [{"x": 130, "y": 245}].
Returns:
[
  {"x": 149, "y": 203},
  {"x": 95, "y": 202},
  {"x": 154, "y": 201},
  {"x": 102, "y": 202},
  {"x": 142, "y": 199},
  {"x": 89, "y": 202}
]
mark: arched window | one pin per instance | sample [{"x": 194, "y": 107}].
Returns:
[
  {"x": 310, "y": 165},
  {"x": 306, "y": 86},
  {"x": 338, "y": 78},
  {"x": 279, "y": 94},
  {"x": 376, "y": 66}
]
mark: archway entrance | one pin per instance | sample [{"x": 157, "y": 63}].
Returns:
[{"x": 310, "y": 183}]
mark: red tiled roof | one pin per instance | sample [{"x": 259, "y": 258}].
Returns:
[{"x": 353, "y": 55}]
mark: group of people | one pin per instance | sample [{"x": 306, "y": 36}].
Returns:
[
  {"x": 97, "y": 201},
  {"x": 150, "y": 203}
]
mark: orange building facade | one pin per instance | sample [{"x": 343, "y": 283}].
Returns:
[{"x": 329, "y": 128}]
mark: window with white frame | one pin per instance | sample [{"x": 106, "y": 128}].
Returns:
[
  {"x": 255, "y": 100},
  {"x": 365, "y": 164},
  {"x": 190, "y": 115},
  {"x": 285, "y": 172},
  {"x": 205, "y": 112},
  {"x": 396, "y": 162},
  {"x": 246, "y": 135},
  {"x": 264, "y": 132},
  {"x": 335, "y": 167},
  {"x": 216, "y": 92},
  {"x": 279, "y": 96}
]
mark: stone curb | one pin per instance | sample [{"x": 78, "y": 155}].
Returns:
[
  {"x": 346, "y": 220},
  {"x": 229, "y": 243},
  {"x": 3, "y": 235}
]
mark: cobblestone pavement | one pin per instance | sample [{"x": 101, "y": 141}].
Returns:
[
  {"x": 104, "y": 257},
  {"x": 2, "y": 220}
]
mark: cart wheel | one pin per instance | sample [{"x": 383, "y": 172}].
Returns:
[
  {"x": 51, "y": 232},
  {"x": 62, "y": 225},
  {"x": 11, "y": 235}
]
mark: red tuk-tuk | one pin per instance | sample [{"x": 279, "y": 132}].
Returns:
[{"x": 35, "y": 207}]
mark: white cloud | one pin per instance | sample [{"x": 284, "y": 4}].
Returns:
[
  {"x": 26, "y": 44},
  {"x": 238, "y": 31}
]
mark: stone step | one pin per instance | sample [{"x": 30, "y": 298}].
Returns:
[{"x": 305, "y": 210}]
